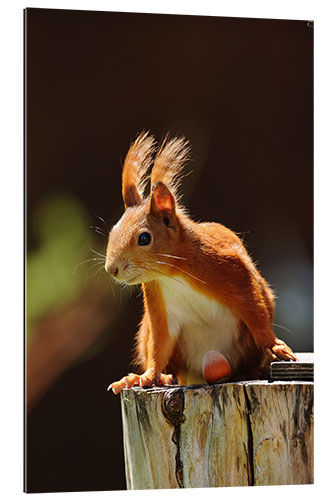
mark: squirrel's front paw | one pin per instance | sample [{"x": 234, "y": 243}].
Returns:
[
  {"x": 148, "y": 378},
  {"x": 280, "y": 350},
  {"x": 125, "y": 383}
]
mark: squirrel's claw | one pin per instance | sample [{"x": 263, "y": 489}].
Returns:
[
  {"x": 147, "y": 379},
  {"x": 280, "y": 350}
]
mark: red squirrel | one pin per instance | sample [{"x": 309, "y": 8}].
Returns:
[{"x": 205, "y": 302}]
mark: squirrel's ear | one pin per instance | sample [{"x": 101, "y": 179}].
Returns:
[
  {"x": 162, "y": 202},
  {"x": 131, "y": 196}
]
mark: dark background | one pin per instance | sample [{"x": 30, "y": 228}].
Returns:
[{"x": 241, "y": 91}]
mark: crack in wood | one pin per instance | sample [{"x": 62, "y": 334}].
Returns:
[
  {"x": 173, "y": 410},
  {"x": 250, "y": 458},
  {"x": 302, "y": 425}
]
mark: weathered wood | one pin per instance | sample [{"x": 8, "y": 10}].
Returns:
[
  {"x": 281, "y": 422},
  {"x": 245, "y": 433}
]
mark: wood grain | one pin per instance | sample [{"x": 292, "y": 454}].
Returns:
[
  {"x": 234, "y": 434},
  {"x": 281, "y": 416},
  {"x": 149, "y": 450}
]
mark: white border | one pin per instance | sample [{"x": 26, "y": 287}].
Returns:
[{"x": 11, "y": 32}]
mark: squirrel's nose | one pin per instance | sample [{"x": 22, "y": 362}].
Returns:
[{"x": 112, "y": 269}]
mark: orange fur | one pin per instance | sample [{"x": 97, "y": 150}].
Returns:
[
  {"x": 136, "y": 165},
  {"x": 169, "y": 163},
  {"x": 203, "y": 263}
]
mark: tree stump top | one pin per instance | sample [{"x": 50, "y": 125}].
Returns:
[{"x": 232, "y": 434}]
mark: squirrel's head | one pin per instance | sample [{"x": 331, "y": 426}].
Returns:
[{"x": 146, "y": 242}]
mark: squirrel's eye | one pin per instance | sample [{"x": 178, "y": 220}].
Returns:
[{"x": 144, "y": 239}]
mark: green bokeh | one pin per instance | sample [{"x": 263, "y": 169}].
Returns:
[{"x": 62, "y": 226}]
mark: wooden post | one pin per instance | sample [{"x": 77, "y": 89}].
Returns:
[{"x": 234, "y": 434}]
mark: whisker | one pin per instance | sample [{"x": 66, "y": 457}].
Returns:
[
  {"x": 164, "y": 274},
  {"x": 126, "y": 287},
  {"x": 173, "y": 256},
  {"x": 180, "y": 269},
  {"x": 283, "y": 327},
  {"x": 94, "y": 273},
  {"x": 97, "y": 253},
  {"x": 151, "y": 276},
  {"x": 98, "y": 273},
  {"x": 85, "y": 261},
  {"x": 101, "y": 218},
  {"x": 98, "y": 230},
  {"x": 145, "y": 273},
  {"x": 112, "y": 287},
  {"x": 96, "y": 264}
]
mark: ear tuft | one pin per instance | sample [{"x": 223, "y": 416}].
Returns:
[
  {"x": 169, "y": 163},
  {"x": 136, "y": 165}
]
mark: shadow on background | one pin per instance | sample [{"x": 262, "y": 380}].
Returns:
[{"x": 241, "y": 91}]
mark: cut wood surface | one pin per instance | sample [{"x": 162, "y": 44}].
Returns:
[{"x": 233, "y": 434}]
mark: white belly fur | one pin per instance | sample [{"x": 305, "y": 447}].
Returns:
[{"x": 203, "y": 324}]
